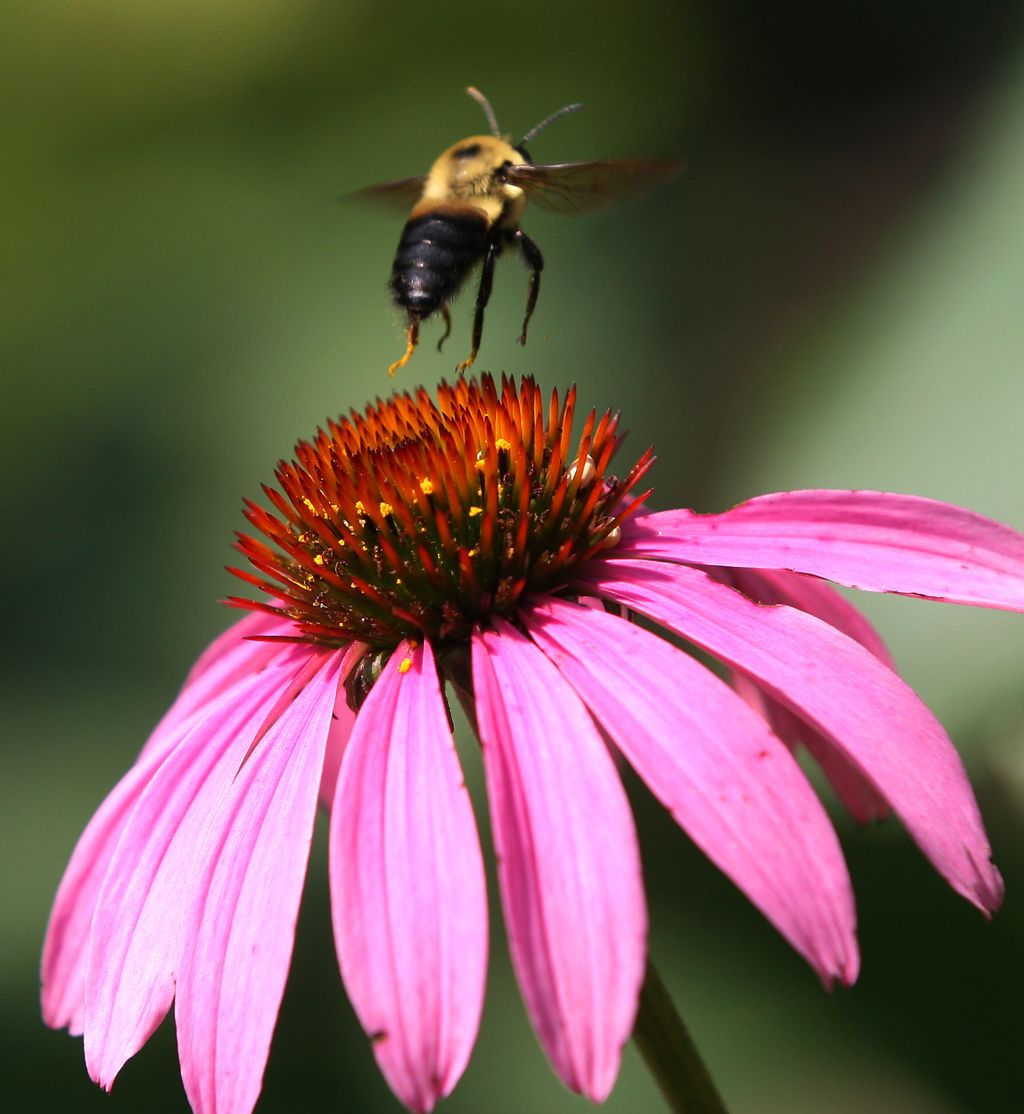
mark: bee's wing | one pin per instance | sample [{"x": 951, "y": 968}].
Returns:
[
  {"x": 581, "y": 187},
  {"x": 402, "y": 194}
]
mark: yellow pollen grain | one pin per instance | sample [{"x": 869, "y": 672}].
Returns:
[
  {"x": 386, "y": 509},
  {"x": 501, "y": 443},
  {"x": 474, "y": 511},
  {"x": 480, "y": 465},
  {"x": 318, "y": 559},
  {"x": 309, "y": 503},
  {"x": 360, "y": 509},
  {"x": 335, "y": 508},
  {"x": 405, "y": 665},
  {"x": 427, "y": 486},
  {"x": 472, "y": 552}
]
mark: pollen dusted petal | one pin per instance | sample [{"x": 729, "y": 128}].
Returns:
[
  {"x": 240, "y": 928},
  {"x": 864, "y": 539},
  {"x": 729, "y": 782},
  {"x": 568, "y": 861},
  {"x": 844, "y": 691},
  {"x": 135, "y": 943},
  {"x": 407, "y": 884}
]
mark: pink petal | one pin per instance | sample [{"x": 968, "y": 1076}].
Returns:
[
  {"x": 728, "y": 781},
  {"x": 67, "y": 934},
  {"x": 243, "y": 634},
  {"x": 843, "y": 691},
  {"x": 407, "y": 884},
  {"x": 230, "y": 658},
  {"x": 342, "y": 722},
  {"x": 865, "y": 539},
  {"x": 240, "y": 930},
  {"x": 568, "y": 861},
  {"x": 136, "y": 931},
  {"x": 861, "y": 798},
  {"x": 65, "y": 947},
  {"x": 816, "y": 598}
]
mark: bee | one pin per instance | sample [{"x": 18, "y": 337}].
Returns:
[{"x": 467, "y": 211}]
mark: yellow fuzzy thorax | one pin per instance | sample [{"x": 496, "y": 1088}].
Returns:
[{"x": 467, "y": 173}]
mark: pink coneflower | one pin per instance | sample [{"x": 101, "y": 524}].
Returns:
[{"x": 466, "y": 541}]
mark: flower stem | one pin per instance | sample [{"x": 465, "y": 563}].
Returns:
[{"x": 670, "y": 1054}]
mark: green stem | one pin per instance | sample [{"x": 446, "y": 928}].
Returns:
[{"x": 670, "y": 1054}]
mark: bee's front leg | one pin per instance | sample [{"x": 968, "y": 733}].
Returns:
[
  {"x": 483, "y": 295},
  {"x": 535, "y": 261}
]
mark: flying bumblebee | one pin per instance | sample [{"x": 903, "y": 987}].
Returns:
[{"x": 467, "y": 210}]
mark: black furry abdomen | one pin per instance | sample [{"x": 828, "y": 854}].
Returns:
[{"x": 436, "y": 253}]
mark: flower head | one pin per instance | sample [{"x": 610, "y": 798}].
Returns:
[{"x": 469, "y": 541}]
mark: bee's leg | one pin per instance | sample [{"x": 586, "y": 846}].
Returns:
[
  {"x": 482, "y": 297},
  {"x": 412, "y": 339},
  {"x": 447, "y": 327},
  {"x": 535, "y": 261}
]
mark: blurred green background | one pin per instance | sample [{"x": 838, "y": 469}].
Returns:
[{"x": 831, "y": 296}]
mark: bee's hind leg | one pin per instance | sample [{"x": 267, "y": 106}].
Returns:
[
  {"x": 447, "y": 327},
  {"x": 483, "y": 295},
  {"x": 535, "y": 261},
  {"x": 412, "y": 339}
]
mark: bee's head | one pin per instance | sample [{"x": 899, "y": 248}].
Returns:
[{"x": 472, "y": 167}]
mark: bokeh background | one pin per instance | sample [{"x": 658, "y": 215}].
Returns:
[{"x": 831, "y": 296}]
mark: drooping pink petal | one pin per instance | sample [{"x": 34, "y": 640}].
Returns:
[
  {"x": 65, "y": 947},
  {"x": 568, "y": 862},
  {"x": 865, "y": 539},
  {"x": 713, "y": 762},
  {"x": 407, "y": 884},
  {"x": 342, "y": 723},
  {"x": 843, "y": 690},
  {"x": 862, "y": 799},
  {"x": 67, "y": 934},
  {"x": 232, "y": 656},
  {"x": 136, "y": 931},
  {"x": 243, "y": 634},
  {"x": 240, "y": 928},
  {"x": 816, "y": 598}
]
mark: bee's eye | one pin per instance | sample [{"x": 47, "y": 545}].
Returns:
[{"x": 500, "y": 174}]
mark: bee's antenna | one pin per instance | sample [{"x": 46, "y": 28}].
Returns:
[
  {"x": 538, "y": 128},
  {"x": 485, "y": 104}
]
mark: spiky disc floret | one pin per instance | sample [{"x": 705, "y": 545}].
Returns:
[{"x": 420, "y": 518}]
